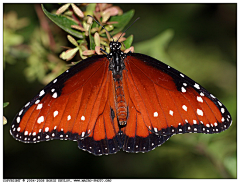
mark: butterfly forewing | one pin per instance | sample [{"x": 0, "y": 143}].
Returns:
[
  {"x": 169, "y": 101},
  {"x": 69, "y": 106}
]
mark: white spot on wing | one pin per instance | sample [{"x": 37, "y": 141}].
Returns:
[
  {"x": 37, "y": 101},
  {"x": 83, "y": 118},
  {"x": 194, "y": 122},
  {"x": 181, "y": 75},
  {"x": 171, "y": 112},
  {"x": 199, "y": 99},
  {"x": 20, "y": 112},
  {"x": 18, "y": 119},
  {"x": 39, "y": 106},
  {"x": 196, "y": 86},
  {"x": 46, "y": 129},
  {"x": 26, "y": 133},
  {"x": 199, "y": 112},
  {"x": 55, "y": 113},
  {"x": 183, "y": 89},
  {"x": 184, "y": 108},
  {"x": 222, "y": 110},
  {"x": 41, "y": 93},
  {"x": 202, "y": 94},
  {"x": 69, "y": 117},
  {"x": 55, "y": 95},
  {"x": 212, "y": 96},
  {"x": 54, "y": 81},
  {"x": 27, "y": 104},
  {"x": 40, "y": 120},
  {"x": 155, "y": 114},
  {"x": 220, "y": 104}
]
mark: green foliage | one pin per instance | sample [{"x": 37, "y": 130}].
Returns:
[
  {"x": 91, "y": 41},
  {"x": 128, "y": 42},
  {"x": 12, "y": 40},
  {"x": 122, "y": 20},
  {"x": 5, "y": 104},
  {"x": 64, "y": 23},
  {"x": 112, "y": 23}
]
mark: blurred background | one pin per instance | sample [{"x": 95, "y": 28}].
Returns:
[{"x": 197, "y": 39}]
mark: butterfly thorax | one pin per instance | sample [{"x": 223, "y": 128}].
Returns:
[
  {"x": 116, "y": 65},
  {"x": 116, "y": 58}
]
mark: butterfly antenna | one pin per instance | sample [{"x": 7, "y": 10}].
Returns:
[
  {"x": 128, "y": 28},
  {"x": 100, "y": 25}
]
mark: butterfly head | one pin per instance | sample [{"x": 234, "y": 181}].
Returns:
[{"x": 114, "y": 46}]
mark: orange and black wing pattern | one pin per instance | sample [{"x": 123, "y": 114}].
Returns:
[
  {"x": 163, "y": 102},
  {"x": 119, "y": 101},
  {"x": 77, "y": 106}
]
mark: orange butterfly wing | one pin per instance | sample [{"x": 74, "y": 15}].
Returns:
[
  {"x": 80, "y": 105},
  {"x": 75, "y": 106},
  {"x": 162, "y": 102}
]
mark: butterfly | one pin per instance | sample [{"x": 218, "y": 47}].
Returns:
[{"x": 127, "y": 101}]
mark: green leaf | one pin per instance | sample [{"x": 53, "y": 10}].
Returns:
[
  {"x": 69, "y": 53},
  {"x": 63, "y": 23},
  {"x": 72, "y": 40},
  {"x": 128, "y": 42},
  {"x": 91, "y": 40},
  {"x": 5, "y": 104},
  {"x": 122, "y": 21}
]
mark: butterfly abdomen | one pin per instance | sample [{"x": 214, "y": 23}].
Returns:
[{"x": 121, "y": 105}]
